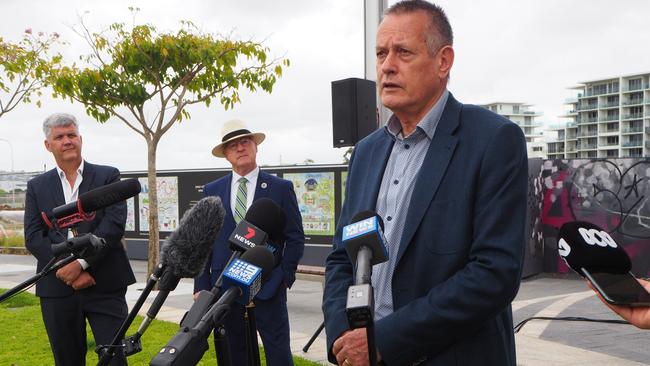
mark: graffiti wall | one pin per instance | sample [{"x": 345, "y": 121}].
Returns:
[{"x": 613, "y": 194}]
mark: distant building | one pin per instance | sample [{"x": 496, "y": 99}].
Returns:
[
  {"x": 608, "y": 118},
  {"x": 520, "y": 114}
]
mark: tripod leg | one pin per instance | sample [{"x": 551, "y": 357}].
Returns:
[
  {"x": 222, "y": 346},
  {"x": 313, "y": 337},
  {"x": 251, "y": 336}
]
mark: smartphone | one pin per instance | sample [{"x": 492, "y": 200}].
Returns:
[{"x": 619, "y": 289}]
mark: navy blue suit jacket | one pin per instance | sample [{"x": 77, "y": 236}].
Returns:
[
  {"x": 281, "y": 192},
  {"x": 110, "y": 268},
  {"x": 460, "y": 255}
]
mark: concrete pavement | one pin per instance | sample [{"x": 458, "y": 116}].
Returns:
[{"x": 538, "y": 343}]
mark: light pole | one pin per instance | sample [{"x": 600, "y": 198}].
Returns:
[{"x": 13, "y": 184}]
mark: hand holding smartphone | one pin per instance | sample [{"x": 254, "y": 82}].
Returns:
[{"x": 618, "y": 289}]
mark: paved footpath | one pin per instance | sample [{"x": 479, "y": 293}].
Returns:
[{"x": 540, "y": 342}]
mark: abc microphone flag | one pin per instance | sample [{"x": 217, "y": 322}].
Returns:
[{"x": 585, "y": 245}]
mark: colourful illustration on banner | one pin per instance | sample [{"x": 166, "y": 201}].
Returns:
[
  {"x": 315, "y": 193},
  {"x": 130, "y": 215},
  {"x": 167, "y": 203}
]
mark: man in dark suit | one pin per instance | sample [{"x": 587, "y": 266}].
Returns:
[
  {"x": 449, "y": 181},
  {"x": 238, "y": 190},
  {"x": 90, "y": 288}
]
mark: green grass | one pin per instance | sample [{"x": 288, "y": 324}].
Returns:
[
  {"x": 12, "y": 241},
  {"x": 23, "y": 341}
]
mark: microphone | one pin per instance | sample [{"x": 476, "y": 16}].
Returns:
[
  {"x": 264, "y": 220},
  {"x": 83, "y": 246},
  {"x": 244, "y": 277},
  {"x": 88, "y": 202},
  {"x": 365, "y": 244},
  {"x": 186, "y": 250},
  {"x": 184, "y": 254},
  {"x": 585, "y": 245},
  {"x": 263, "y": 225}
]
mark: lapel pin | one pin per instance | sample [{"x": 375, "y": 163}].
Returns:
[{"x": 263, "y": 185}]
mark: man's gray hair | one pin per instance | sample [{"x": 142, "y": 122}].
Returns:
[
  {"x": 59, "y": 120},
  {"x": 439, "y": 32}
]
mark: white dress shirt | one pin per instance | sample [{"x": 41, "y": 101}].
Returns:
[
  {"x": 250, "y": 188},
  {"x": 71, "y": 193}
]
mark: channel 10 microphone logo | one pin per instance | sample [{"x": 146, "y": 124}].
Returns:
[
  {"x": 242, "y": 272},
  {"x": 360, "y": 228}
]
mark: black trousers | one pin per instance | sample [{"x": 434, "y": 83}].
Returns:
[{"x": 65, "y": 322}]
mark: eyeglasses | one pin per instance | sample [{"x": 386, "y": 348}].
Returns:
[{"x": 244, "y": 142}]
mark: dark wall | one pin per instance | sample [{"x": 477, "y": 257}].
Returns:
[{"x": 613, "y": 194}]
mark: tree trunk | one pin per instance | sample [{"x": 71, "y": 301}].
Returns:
[{"x": 154, "y": 234}]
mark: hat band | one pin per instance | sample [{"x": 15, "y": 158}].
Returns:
[{"x": 235, "y": 134}]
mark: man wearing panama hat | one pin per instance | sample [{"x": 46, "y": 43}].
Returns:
[{"x": 237, "y": 190}]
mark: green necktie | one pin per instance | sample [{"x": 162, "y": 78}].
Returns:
[{"x": 240, "y": 200}]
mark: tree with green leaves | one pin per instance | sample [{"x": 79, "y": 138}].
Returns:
[
  {"x": 139, "y": 69},
  {"x": 24, "y": 68}
]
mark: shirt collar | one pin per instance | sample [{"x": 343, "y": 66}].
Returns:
[
  {"x": 427, "y": 125},
  {"x": 80, "y": 170},
  {"x": 250, "y": 177}
]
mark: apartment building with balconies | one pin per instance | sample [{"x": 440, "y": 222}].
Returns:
[
  {"x": 608, "y": 118},
  {"x": 521, "y": 114}
]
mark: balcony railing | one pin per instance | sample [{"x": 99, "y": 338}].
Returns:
[
  {"x": 611, "y": 130},
  {"x": 587, "y": 107},
  {"x": 632, "y": 143},
  {"x": 608, "y": 118},
  {"x": 633, "y": 101},
  {"x": 608, "y": 144},
  {"x": 588, "y": 133},
  {"x": 587, "y": 147},
  {"x": 607, "y": 105},
  {"x": 633, "y": 116},
  {"x": 586, "y": 120},
  {"x": 601, "y": 92},
  {"x": 633, "y": 88},
  {"x": 633, "y": 130}
]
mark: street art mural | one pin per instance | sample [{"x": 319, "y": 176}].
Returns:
[{"x": 613, "y": 194}]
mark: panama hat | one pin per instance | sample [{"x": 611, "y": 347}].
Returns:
[{"x": 233, "y": 130}]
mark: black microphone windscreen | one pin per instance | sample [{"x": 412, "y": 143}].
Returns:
[
  {"x": 585, "y": 245},
  {"x": 187, "y": 249},
  {"x": 268, "y": 216},
  {"x": 109, "y": 194},
  {"x": 260, "y": 257}
]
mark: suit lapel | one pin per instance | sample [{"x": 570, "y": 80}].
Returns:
[
  {"x": 226, "y": 196},
  {"x": 432, "y": 171},
  {"x": 55, "y": 188},
  {"x": 262, "y": 187},
  {"x": 88, "y": 177},
  {"x": 381, "y": 151}
]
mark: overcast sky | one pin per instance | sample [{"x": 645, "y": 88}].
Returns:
[{"x": 524, "y": 51}]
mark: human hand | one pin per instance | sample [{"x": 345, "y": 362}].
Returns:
[
  {"x": 351, "y": 348},
  {"x": 639, "y": 316},
  {"x": 195, "y": 296},
  {"x": 84, "y": 280},
  {"x": 69, "y": 272}
]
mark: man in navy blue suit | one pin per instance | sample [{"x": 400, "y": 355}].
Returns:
[
  {"x": 93, "y": 288},
  {"x": 449, "y": 181},
  {"x": 238, "y": 190}
]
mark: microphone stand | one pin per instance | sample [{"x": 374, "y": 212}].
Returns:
[
  {"x": 30, "y": 281},
  {"x": 131, "y": 345},
  {"x": 251, "y": 336}
]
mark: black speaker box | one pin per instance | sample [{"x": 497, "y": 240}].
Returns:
[{"x": 354, "y": 110}]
